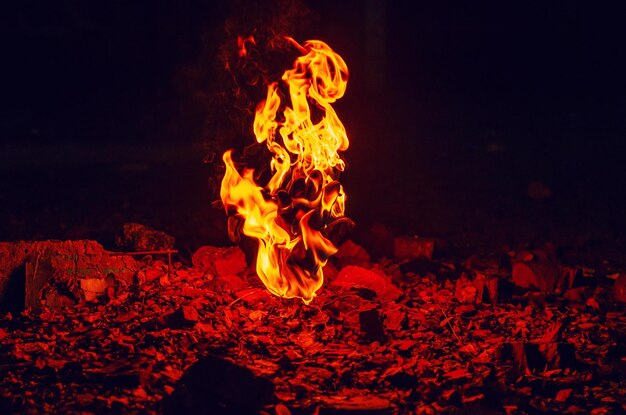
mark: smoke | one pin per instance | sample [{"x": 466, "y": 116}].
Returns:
[{"x": 252, "y": 53}]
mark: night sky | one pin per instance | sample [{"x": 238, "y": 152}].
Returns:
[{"x": 453, "y": 110}]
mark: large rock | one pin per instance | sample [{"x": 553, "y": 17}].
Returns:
[
  {"x": 218, "y": 387},
  {"x": 220, "y": 261},
  {"x": 68, "y": 261},
  {"x": 357, "y": 277}
]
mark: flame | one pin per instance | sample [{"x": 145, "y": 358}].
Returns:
[
  {"x": 242, "y": 45},
  {"x": 289, "y": 215}
]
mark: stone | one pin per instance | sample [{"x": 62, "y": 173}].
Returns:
[
  {"x": 217, "y": 386},
  {"x": 185, "y": 316},
  {"x": 350, "y": 253},
  {"x": 220, "y": 261},
  {"x": 356, "y": 277},
  {"x": 137, "y": 237},
  {"x": 538, "y": 275},
  {"x": 371, "y": 324}
]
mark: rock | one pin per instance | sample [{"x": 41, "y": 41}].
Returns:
[
  {"x": 185, "y": 316},
  {"x": 538, "y": 275},
  {"x": 93, "y": 287},
  {"x": 68, "y": 262},
  {"x": 216, "y": 386},
  {"x": 563, "y": 395},
  {"x": 619, "y": 288},
  {"x": 465, "y": 290},
  {"x": 559, "y": 355},
  {"x": 371, "y": 324},
  {"x": 406, "y": 247},
  {"x": 350, "y": 253},
  {"x": 56, "y": 297},
  {"x": 137, "y": 237},
  {"x": 394, "y": 317},
  {"x": 368, "y": 404},
  {"x": 526, "y": 356},
  {"x": 492, "y": 286},
  {"x": 357, "y": 277},
  {"x": 220, "y": 261},
  {"x": 233, "y": 282}
]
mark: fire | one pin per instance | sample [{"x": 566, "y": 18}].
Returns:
[{"x": 290, "y": 214}]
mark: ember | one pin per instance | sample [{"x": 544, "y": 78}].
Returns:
[{"x": 290, "y": 214}]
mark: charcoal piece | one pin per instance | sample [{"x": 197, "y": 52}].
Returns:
[
  {"x": 526, "y": 356},
  {"x": 182, "y": 317},
  {"x": 218, "y": 387},
  {"x": 372, "y": 329},
  {"x": 559, "y": 355}
]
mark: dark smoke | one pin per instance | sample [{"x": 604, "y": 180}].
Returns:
[{"x": 240, "y": 82}]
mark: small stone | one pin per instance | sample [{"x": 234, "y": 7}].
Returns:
[
  {"x": 563, "y": 395},
  {"x": 220, "y": 261},
  {"x": 185, "y": 316},
  {"x": 371, "y": 324}
]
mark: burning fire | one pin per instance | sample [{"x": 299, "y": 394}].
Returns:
[{"x": 291, "y": 213}]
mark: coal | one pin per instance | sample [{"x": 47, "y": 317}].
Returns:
[
  {"x": 216, "y": 386},
  {"x": 372, "y": 328}
]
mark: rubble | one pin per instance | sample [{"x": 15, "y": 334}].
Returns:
[
  {"x": 138, "y": 237},
  {"x": 62, "y": 263},
  {"x": 388, "y": 338}
]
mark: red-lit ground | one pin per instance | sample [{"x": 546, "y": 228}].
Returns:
[{"x": 450, "y": 335}]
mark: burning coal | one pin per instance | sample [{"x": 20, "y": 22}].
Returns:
[{"x": 290, "y": 215}]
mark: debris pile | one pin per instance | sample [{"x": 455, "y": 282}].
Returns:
[{"x": 511, "y": 332}]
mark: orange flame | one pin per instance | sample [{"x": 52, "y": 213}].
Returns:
[{"x": 290, "y": 213}]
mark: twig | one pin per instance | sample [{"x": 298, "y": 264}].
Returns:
[
  {"x": 161, "y": 252},
  {"x": 244, "y": 296},
  {"x": 450, "y": 325}
]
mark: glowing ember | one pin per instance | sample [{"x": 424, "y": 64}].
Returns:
[{"x": 289, "y": 215}]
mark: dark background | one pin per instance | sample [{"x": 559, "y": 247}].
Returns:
[{"x": 453, "y": 110}]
